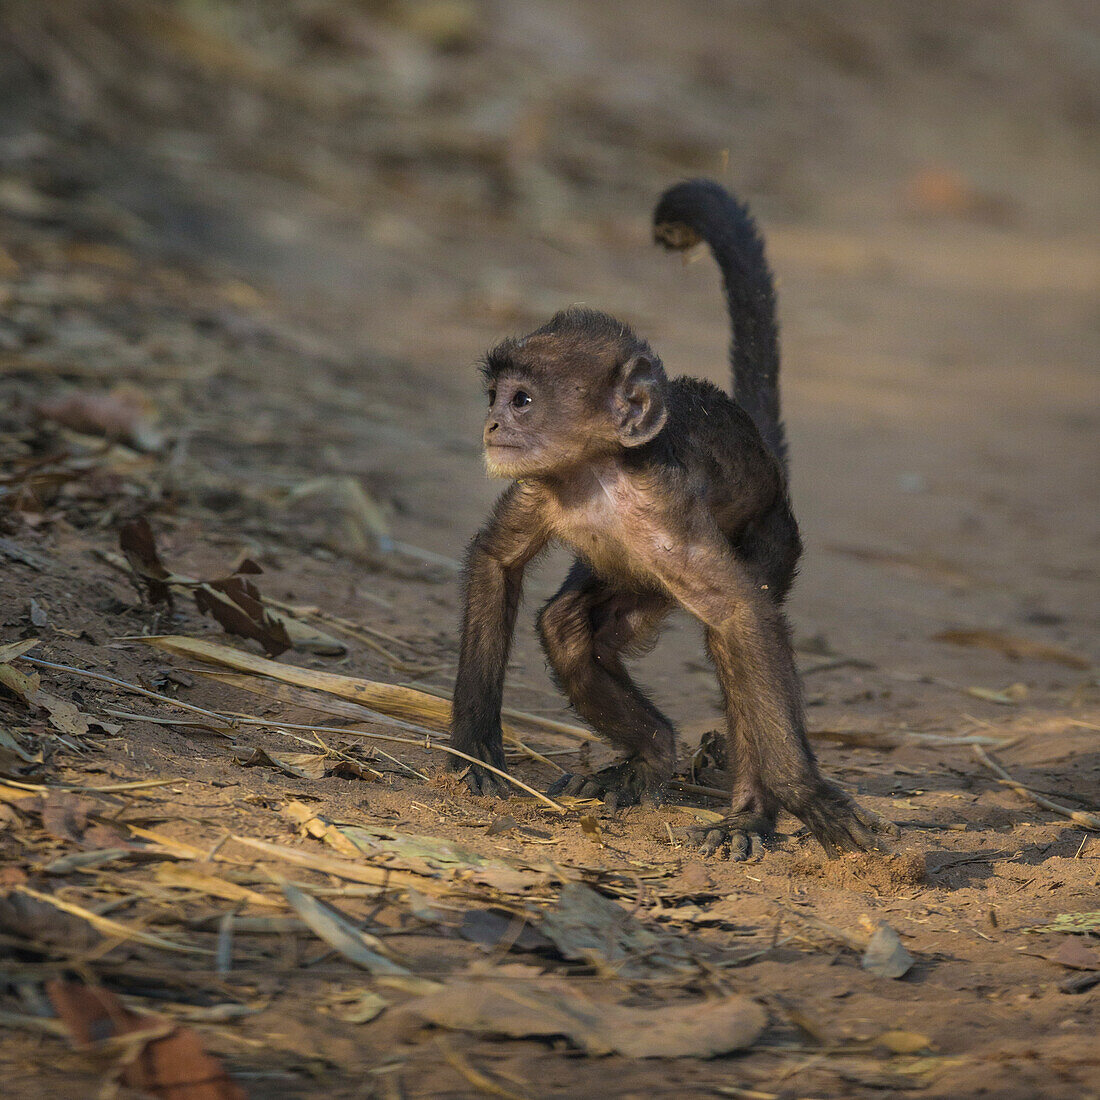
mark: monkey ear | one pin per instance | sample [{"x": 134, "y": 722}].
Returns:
[{"x": 639, "y": 401}]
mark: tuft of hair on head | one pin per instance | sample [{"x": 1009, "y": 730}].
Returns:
[{"x": 576, "y": 338}]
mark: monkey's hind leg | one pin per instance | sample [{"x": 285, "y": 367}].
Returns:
[{"x": 585, "y": 629}]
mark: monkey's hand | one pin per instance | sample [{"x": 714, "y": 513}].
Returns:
[
  {"x": 741, "y": 837},
  {"x": 840, "y": 824},
  {"x": 480, "y": 780},
  {"x": 624, "y": 784}
]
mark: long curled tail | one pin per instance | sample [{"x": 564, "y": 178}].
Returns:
[{"x": 703, "y": 210}]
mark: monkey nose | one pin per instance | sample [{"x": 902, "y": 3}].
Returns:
[{"x": 492, "y": 426}]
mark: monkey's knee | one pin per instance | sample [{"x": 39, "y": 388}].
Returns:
[{"x": 565, "y": 633}]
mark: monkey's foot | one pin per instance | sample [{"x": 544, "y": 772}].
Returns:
[
  {"x": 624, "y": 784},
  {"x": 741, "y": 838},
  {"x": 840, "y": 824}
]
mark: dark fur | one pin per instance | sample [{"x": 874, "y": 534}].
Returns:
[{"x": 671, "y": 493}]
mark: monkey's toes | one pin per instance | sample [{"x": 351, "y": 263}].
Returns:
[
  {"x": 623, "y": 784},
  {"x": 840, "y": 824},
  {"x": 740, "y": 839}
]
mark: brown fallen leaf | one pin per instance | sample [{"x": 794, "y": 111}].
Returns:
[
  {"x": 552, "y": 1007},
  {"x": 1012, "y": 646},
  {"x": 1073, "y": 954},
  {"x": 152, "y": 1054},
  {"x": 151, "y": 577},
  {"x": 234, "y": 601}
]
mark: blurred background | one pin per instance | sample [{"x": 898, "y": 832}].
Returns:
[{"x": 290, "y": 228}]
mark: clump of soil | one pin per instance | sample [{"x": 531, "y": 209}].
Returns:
[{"x": 871, "y": 871}]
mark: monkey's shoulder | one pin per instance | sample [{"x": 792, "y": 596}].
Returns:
[{"x": 713, "y": 438}]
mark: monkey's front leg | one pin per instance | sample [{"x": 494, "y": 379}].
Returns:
[{"x": 491, "y": 596}]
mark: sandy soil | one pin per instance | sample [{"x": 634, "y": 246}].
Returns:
[{"x": 937, "y": 269}]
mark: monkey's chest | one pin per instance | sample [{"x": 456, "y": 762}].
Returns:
[{"x": 619, "y": 537}]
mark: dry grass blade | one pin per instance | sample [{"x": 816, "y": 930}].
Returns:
[
  {"x": 1079, "y": 817},
  {"x": 551, "y": 725},
  {"x": 390, "y": 699},
  {"x": 345, "y": 869},
  {"x": 188, "y": 878},
  {"x": 1013, "y": 646},
  {"x": 110, "y": 927},
  {"x": 352, "y": 943}
]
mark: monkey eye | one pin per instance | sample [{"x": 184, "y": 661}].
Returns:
[{"x": 520, "y": 399}]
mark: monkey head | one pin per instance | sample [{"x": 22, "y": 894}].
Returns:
[{"x": 579, "y": 388}]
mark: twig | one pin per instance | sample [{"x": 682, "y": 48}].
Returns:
[
  {"x": 110, "y": 927},
  {"x": 1079, "y": 817},
  {"x": 110, "y": 788},
  {"x": 476, "y": 1078},
  {"x": 427, "y": 743},
  {"x": 104, "y": 678},
  {"x": 696, "y": 788}
]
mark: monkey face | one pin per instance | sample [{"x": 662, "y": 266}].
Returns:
[
  {"x": 579, "y": 388},
  {"x": 531, "y": 429}
]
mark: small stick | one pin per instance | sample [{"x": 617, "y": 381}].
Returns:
[
  {"x": 427, "y": 743},
  {"x": 696, "y": 788},
  {"x": 104, "y": 678},
  {"x": 1078, "y": 817}
]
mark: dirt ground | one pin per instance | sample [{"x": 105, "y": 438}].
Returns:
[{"x": 278, "y": 241}]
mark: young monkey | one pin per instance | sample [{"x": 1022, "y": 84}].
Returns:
[{"x": 671, "y": 494}]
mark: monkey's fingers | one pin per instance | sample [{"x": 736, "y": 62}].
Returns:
[
  {"x": 876, "y": 822},
  {"x": 481, "y": 781}
]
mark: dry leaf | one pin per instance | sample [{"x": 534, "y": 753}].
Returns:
[
  {"x": 62, "y": 715},
  {"x": 126, "y": 414},
  {"x": 319, "y": 828},
  {"x": 154, "y": 1055},
  {"x": 552, "y": 1007},
  {"x": 585, "y": 925},
  {"x": 305, "y": 765},
  {"x": 1073, "y": 954},
  {"x": 904, "y": 1042},
  {"x": 234, "y": 601}
]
